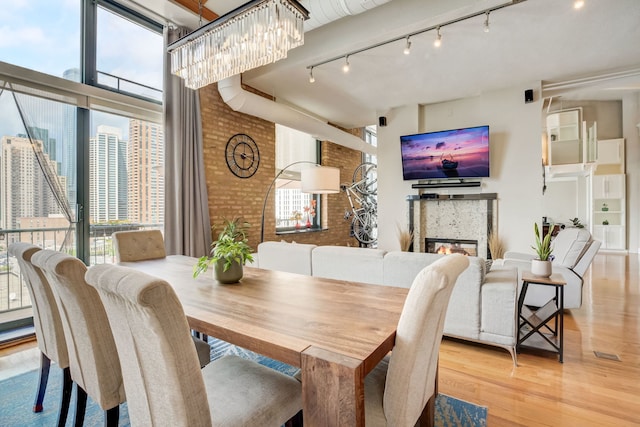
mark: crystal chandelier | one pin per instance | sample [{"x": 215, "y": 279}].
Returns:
[{"x": 257, "y": 33}]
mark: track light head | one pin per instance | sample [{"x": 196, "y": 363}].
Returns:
[
  {"x": 407, "y": 47},
  {"x": 345, "y": 67},
  {"x": 311, "y": 78},
  {"x": 438, "y": 41},
  {"x": 486, "y": 23}
]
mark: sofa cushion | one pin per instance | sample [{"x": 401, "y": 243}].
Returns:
[
  {"x": 401, "y": 268},
  {"x": 348, "y": 263},
  {"x": 569, "y": 245},
  {"x": 284, "y": 256}
]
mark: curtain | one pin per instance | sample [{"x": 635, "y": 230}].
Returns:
[{"x": 187, "y": 227}]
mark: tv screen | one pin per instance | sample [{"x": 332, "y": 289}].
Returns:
[{"x": 456, "y": 153}]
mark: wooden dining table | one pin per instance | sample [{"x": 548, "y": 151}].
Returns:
[{"x": 335, "y": 331}]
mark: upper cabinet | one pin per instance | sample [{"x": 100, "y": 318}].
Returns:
[
  {"x": 564, "y": 137},
  {"x": 610, "y": 157}
]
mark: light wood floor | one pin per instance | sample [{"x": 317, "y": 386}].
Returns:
[{"x": 583, "y": 391}]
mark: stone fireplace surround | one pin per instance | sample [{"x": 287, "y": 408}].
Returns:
[{"x": 452, "y": 216}]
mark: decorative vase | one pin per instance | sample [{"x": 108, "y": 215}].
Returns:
[
  {"x": 297, "y": 225},
  {"x": 540, "y": 268},
  {"x": 232, "y": 275},
  {"x": 308, "y": 223}
]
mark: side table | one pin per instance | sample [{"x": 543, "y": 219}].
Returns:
[{"x": 534, "y": 326}]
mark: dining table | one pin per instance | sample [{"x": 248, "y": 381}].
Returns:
[{"x": 335, "y": 331}]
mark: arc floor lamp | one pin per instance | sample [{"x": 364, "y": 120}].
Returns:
[{"x": 315, "y": 180}]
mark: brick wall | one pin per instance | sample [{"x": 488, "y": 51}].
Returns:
[{"x": 230, "y": 196}]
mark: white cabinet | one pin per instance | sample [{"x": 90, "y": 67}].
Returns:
[
  {"x": 612, "y": 236},
  {"x": 609, "y": 210},
  {"x": 563, "y": 136},
  {"x": 610, "y": 158}
]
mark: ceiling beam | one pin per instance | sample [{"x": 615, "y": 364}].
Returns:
[{"x": 192, "y": 5}]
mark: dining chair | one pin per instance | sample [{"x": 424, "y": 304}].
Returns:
[
  {"x": 143, "y": 245},
  {"x": 399, "y": 387},
  {"x": 165, "y": 387},
  {"x": 48, "y": 326},
  {"x": 93, "y": 358}
]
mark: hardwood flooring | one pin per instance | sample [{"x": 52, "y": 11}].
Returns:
[{"x": 584, "y": 390}]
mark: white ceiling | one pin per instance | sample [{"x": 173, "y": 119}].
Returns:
[{"x": 529, "y": 42}]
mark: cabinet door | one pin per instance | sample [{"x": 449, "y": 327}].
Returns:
[
  {"x": 611, "y": 151},
  {"x": 611, "y": 236},
  {"x": 608, "y": 186}
]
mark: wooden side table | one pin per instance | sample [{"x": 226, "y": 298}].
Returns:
[{"x": 534, "y": 326}]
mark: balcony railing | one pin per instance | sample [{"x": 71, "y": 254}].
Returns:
[{"x": 13, "y": 291}]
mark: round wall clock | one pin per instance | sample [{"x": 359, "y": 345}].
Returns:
[{"x": 243, "y": 156}]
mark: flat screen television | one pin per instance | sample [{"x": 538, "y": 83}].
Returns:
[{"x": 455, "y": 153}]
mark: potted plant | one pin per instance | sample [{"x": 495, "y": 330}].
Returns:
[
  {"x": 605, "y": 207},
  {"x": 228, "y": 253},
  {"x": 541, "y": 266},
  {"x": 576, "y": 223}
]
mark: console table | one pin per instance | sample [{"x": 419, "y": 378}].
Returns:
[{"x": 534, "y": 326}]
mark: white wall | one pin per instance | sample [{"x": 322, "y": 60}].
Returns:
[
  {"x": 630, "y": 131},
  {"x": 516, "y": 170}
]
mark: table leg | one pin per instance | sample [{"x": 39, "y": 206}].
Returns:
[{"x": 332, "y": 389}]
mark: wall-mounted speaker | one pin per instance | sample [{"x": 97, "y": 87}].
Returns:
[
  {"x": 382, "y": 121},
  {"x": 528, "y": 96}
]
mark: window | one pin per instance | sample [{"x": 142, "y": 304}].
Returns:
[{"x": 294, "y": 209}]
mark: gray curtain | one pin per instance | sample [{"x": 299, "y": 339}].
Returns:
[{"x": 187, "y": 228}]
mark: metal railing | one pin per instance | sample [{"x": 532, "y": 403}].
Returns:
[{"x": 14, "y": 294}]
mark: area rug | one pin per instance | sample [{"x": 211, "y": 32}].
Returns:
[{"x": 17, "y": 394}]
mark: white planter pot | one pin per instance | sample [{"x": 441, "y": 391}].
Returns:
[{"x": 540, "y": 268}]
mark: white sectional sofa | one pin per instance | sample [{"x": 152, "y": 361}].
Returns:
[{"x": 483, "y": 306}]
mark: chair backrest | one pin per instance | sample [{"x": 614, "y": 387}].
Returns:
[
  {"x": 46, "y": 317},
  {"x": 569, "y": 245},
  {"x": 160, "y": 367},
  {"x": 93, "y": 358},
  {"x": 138, "y": 245},
  {"x": 414, "y": 359},
  {"x": 585, "y": 260}
]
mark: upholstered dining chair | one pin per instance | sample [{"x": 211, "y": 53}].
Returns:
[
  {"x": 48, "y": 326},
  {"x": 398, "y": 389},
  {"x": 93, "y": 358},
  {"x": 143, "y": 245},
  {"x": 165, "y": 387}
]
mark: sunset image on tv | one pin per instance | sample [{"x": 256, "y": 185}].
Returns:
[{"x": 459, "y": 153}]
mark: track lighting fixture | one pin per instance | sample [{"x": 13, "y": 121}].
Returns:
[
  {"x": 311, "y": 78},
  {"x": 577, "y": 4},
  {"x": 407, "y": 47},
  {"x": 438, "y": 41},
  {"x": 345, "y": 67}
]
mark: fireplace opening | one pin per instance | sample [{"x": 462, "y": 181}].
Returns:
[{"x": 451, "y": 246}]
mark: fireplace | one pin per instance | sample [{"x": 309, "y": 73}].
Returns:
[{"x": 451, "y": 246}]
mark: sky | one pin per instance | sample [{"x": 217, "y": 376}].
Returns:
[{"x": 44, "y": 35}]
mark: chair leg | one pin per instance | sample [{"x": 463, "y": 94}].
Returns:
[
  {"x": 111, "y": 416},
  {"x": 81, "y": 405},
  {"x": 67, "y": 385},
  {"x": 295, "y": 421},
  {"x": 45, "y": 363}
]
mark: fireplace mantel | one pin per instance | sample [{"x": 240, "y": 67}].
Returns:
[{"x": 442, "y": 216}]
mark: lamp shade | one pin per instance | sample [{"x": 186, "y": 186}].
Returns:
[{"x": 320, "y": 180}]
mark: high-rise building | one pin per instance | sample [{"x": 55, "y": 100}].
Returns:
[
  {"x": 23, "y": 188},
  {"x": 108, "y": 175},
  {"x": 146, "y": 172}
]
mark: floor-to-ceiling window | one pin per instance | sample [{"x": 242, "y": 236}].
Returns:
[{"x": 78, "y": 161}]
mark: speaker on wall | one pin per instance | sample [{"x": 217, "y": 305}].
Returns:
[
  {"x": 528, "y": 95},
  {"x": 382, "y": 121}
]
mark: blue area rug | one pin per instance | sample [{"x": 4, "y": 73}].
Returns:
[{"x": 17, "y": 394}]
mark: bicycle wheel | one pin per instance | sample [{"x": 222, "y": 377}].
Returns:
[
  {"x": 365, "y": 230},
  {"x": 365, "y": 178}
]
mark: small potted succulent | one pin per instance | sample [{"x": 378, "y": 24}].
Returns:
[
  {"x": 228, "y": 253},
  {"x": 605, "y": 207},
  {"x": 541, "y": 266}
]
